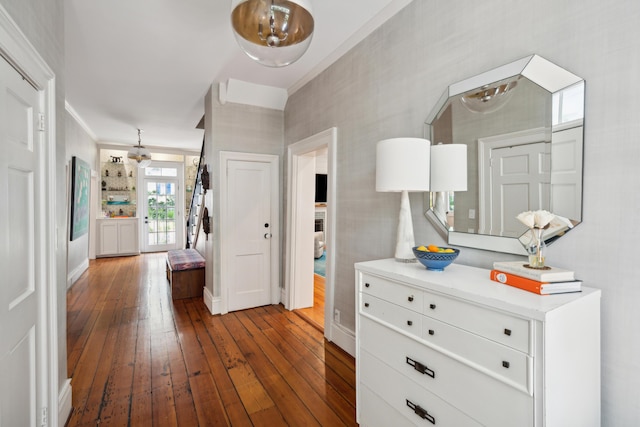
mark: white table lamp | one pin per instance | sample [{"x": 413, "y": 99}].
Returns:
[
  {"x": 402, "y": 165},
  {"x": 448, "y": 173}
]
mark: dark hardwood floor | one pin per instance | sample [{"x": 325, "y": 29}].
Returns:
[{"x": 137, "y": 358}]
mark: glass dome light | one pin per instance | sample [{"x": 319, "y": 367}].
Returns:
[
  {"x": 138, "y": 155},
  {"x": 274, "y": 33}
]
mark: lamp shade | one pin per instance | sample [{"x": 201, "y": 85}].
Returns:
[
  {"x": 402, "y": 164},
  {"x": 274, "y": 33},
  {"x": 449, "y": 167}
]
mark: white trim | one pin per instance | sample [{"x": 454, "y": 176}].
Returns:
[
  {"x": 328, "y": 138},
  {"x": 16, "y": 48},
  {"x": 212, "y": 303},
  {"x": 64, "y": 402},
  {"x": 74, "y": 275},
  {"x": 73, "y": 113},
  {"x": 344, "y": 338},
  {"x": 273, "y": 160}
]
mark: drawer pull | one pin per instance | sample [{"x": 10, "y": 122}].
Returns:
[
  {"x": 420, "y": 367},
  {"x": 507, "y": 332},
  {"x": 366, "y": 304},
  {"x": 366, "y": 285},
  {"x": 410, "y": 322},
  {"x": 421, "y": 412},
  {"x": 410, "y": 298},
  {"x": 505, "y": 364},
  {"x": 431, "y": 332},
  {"x": 432, "y": 306}
]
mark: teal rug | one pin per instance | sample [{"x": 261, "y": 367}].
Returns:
[{"x": 320, "y": 265}]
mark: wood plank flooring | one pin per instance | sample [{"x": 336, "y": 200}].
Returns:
[
  {"x": 137, "y": 358},
  {"x": 315, "y": 314}
]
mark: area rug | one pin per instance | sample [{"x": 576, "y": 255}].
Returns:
[{"x": 320, "y": 264}]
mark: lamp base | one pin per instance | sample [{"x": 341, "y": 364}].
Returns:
[{"x": 405, "y": 241}]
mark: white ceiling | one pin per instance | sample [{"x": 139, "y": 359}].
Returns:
[{"x": 149, "y": 63}]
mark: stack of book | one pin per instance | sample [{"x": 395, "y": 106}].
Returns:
[{"x": 551, "y": 280}]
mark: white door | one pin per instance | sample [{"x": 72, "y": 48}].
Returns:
[
  {"x": 248, "y": 222},
  {"x": 519, "y": 182},
  {"x": 161, "y": 215},
  {"x": 566, "y": 173},
  {"x": 22, "y": 245}
]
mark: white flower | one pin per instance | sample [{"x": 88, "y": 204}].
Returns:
[{"x": 536, "y": 219}]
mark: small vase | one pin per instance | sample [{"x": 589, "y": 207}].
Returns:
[{"x": 537, "y": 249}]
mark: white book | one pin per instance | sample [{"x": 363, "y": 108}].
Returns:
[{"x": 547, "y": 274}]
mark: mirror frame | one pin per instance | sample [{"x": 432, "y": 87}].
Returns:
[{"x": 539, "y": 71}]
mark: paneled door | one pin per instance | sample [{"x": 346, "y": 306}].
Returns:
[
  {"x": 22, "y": 258},
  {"x": 249, "y": 206}
]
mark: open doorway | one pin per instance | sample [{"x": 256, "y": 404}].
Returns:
[{"x": 310, "y": 240}]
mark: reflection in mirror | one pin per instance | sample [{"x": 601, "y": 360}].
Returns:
[{"x": 522, "y": 124}]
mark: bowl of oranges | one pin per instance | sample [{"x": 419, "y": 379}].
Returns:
[{"x": 434, "y": 257}]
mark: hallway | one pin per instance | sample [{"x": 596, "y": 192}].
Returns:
[{"x": 137, "y": 358}]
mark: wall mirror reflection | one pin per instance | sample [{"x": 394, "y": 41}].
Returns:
[{"x": 523, "y": 127}]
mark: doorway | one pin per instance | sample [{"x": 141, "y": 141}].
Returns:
[
  {"x": 162, "y": 203},
  {"x": 299, "y": 281}
]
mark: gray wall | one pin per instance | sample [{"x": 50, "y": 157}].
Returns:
[
  {"x": 43, "y": 24},
  {"x": 80, "y": 144},
  {"x": 387, "y": 85},
  {"x": 239, "y": 128}
]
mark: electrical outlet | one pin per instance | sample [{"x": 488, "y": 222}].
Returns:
[
  {"x": 336, "y": 315},
  {"x": 472, "y": 214}
]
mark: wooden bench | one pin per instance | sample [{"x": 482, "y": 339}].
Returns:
[{"x": 185, "y": 273}]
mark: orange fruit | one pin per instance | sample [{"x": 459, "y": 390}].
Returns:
[{"x": 433, "y": 248}]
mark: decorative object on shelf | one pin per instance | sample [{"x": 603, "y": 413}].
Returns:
[
  {"x": 537, "y": 221},
  {"x": 119, "y": 173},
  {"x": 130, "y": 174},
  {"x": 448, "y": 174},
  {"x": 116, "y": 159},
  {"x": 402, "y": 165},
  {"x": 104, "y": 185},
  {"x": 80, "y": 182},
  {"x": 274, "y": 33},
  {"x": 435, "y": 260},
  {"x": 138, "y": 155},
  {"x": 106, "y": 172}
]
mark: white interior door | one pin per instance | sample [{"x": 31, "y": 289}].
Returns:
[
  {"x": 248, "y": 222},
  {"x": 22, "y": 242},
  {"x": 519, "y": 182},
  {"x": 566, "y": 173}
]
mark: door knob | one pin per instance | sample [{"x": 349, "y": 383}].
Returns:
[{"x": 267, "y": 235}]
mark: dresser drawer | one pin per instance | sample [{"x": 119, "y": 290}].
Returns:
[
  {"x": 395, "y": 315},
  {"x": 484, "y": 398},
  {"x": 420, "y": 407},
  {"x": 506, "y": 363},
  {"x": 375, "y": 412},
  {"x": 497, "y": 326},
  {"x": 394, "y": 292}
]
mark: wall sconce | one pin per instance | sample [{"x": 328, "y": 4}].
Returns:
[
  {"x": 448, "y": 173},
  {"x": 274, "y": 33},
  {"x": 204, "y": 179},
  {"x": 402, "y": 165}
]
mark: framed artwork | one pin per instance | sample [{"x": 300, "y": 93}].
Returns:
[{"x": 80, "y": 182}]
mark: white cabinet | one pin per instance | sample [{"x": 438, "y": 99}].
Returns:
[
  {"x": 117, "y": 236},
  {"x": 454, "y": 348}
]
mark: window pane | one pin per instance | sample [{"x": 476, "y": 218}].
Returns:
[
  {"x": 152, "y": 171},
  {"x": 169, "y": 172}
]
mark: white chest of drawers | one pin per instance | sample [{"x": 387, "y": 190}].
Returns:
[{"x": 456, "y": 349}]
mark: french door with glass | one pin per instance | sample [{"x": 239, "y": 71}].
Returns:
[{"x": 162, "y": 229}]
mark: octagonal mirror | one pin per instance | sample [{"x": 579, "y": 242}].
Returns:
[{"x": 523, "y": 126}]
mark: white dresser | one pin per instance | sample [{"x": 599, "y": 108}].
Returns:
[{"x": 456, "y": 349}]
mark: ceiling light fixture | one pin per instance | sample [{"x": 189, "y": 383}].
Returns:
[
  {"x": 138, "y": 155},
  {"x": 274, "y": 33},
  {"x": 489, "y": 98}
]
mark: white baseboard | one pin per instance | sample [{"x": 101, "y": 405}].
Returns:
[
  {"x": 212, "y": 303},
  {"x": 343, "y": 338},
  {"x": 77, "y": 272},
  {"x": 64, "y": 402}
]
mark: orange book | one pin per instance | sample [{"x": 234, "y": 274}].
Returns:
[{"x": 541, "y": 288}]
